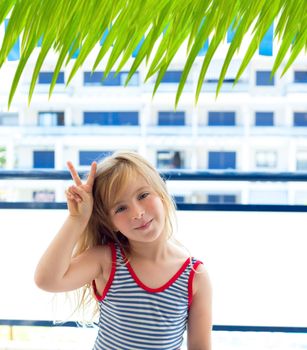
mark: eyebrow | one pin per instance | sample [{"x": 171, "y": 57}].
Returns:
[{"x": 122, "y": 201}]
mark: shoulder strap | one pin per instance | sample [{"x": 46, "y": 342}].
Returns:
[{"x": 195, "y": 264}]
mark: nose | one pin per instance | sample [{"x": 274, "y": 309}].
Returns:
[{"x": 138, "y": 212}]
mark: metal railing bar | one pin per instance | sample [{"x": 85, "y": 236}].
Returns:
[
  {"x": 173, "y": 175},
  {"x": 180, "y": 207},
  {"x": 264, "y": 329},
  {"x": 228, "y": 328}
]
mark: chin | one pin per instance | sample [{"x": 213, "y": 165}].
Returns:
[{"x": 153, "y": 237}]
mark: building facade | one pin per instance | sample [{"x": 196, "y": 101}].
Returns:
[{"x": 259, "y": 124}]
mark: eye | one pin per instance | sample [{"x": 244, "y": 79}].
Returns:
[
  {"x": 143, "y": 195},
  {"x": 120, "y": 209}
]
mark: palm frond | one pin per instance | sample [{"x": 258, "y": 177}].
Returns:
[{"x": 163, "y": 27}]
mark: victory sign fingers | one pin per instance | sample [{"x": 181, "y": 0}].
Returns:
[
  {"x": 91, "y": 176},
  {"x": 74, "y": 173}
]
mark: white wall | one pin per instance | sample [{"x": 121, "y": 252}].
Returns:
[{"x": 257, "y": 263}]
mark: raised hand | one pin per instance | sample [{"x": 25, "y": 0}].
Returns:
[{"x": 79, "y": 196}]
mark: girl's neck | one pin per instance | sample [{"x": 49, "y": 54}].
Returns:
[{"x": 152, "y": 251}]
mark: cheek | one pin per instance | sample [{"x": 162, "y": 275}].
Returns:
[
  {"x": 120, "y": 221},
  {"x": 115, "y": 223},
  {"x": 158, "y": 205}
]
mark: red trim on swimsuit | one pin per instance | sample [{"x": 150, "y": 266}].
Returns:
[
  {"x": 111, "y": 277},
  {"x": 159, "y": 289}
]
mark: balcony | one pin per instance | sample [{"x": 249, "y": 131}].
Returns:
[
  {"x": 295, "y": 88},
  {"x": 175, "y": 130},
  {"x": 240, "y": 87},
  {"x": 82, "y": 130},
  {"x": 278, "y": 131},
  {"x": 215, "y": 131},
  {"x": 255, "y": 255}
]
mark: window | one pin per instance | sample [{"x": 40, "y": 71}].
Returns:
[
  {"x": 134, "y": 80},
  {"x": 221, "y": 118},
  {"x": 264, "y": 118},
  {"x": 43, "y": 159},
  {"x": 96, "y": 79},
  {"x": 111, "y": 118},
  {"x": 222, "y": 198},
  {"x": 43, "y": 196},
  {"x": 300, "y": 76},
  {"x": 87, "y": 157},
  {"x": 266, "y": 159},
  {"x": 263, "y": 78},
  {"x": 169, "y": 160},
  {"x": 300, "y": 119},
  {"x": 179, "y": 199},
  {"x": 92, "y": 79},
  {"x": 46, "y": 78},
  {"x": 171, "y": 118},
  {"x": 222, "y": 160},
  {"x": 50, "y": 118},
  {"x": 9, "y": 119},
  {"x": 301, "y": 161},
  {"x": 216, "y": 80},
  {"x": 173, "y": 76}
]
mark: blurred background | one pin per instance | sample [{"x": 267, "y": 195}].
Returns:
[{"x": 250, "y": 231}]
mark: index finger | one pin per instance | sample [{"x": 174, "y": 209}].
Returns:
[
  {"x": 74, "y": 173},
  {"x": 91, "y": 176}
]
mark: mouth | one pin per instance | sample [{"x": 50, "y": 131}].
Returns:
[{"x": 145, "y": 225}]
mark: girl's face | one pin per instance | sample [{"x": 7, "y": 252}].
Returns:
[{"x": 139, "y": 212}]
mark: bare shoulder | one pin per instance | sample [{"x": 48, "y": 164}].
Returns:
[
  {"x": 178, "y": 251},
  {"x": 100, "y": 249},
  {"x": 100, "y": 254},
  {"x": 200, "y": 313},
  {"x": 201, "y": 281}
]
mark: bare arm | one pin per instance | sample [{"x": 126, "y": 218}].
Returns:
[
  {"x": 200, "y": 315},
  {"x": 56, "y": 270}
]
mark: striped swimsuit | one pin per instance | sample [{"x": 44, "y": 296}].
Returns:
[{"x": 133, "y": 316}]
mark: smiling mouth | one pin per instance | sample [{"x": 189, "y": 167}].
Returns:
[{"x": 143, "y": 227}]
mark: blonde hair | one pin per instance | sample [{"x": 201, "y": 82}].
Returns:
[{"x": 112, "y": 176}]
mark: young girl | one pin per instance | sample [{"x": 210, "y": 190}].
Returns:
[{"x": 117, "y": 238}]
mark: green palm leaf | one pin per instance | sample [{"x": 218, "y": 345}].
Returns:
[
  {"x": 97, "y": 27},
  {"x": 165, "y": 25}
]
